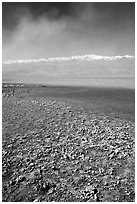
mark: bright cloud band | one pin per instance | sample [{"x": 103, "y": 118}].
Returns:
[{"x": 81, "y": 58}]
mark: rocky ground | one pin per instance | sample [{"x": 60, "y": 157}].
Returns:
[{"x": 55, "y": 152}]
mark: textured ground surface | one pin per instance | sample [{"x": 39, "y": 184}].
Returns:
[{"x": 56, "y": 152}]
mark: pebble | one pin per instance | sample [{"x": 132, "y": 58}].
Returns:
[{"x": 87, "y": 146}]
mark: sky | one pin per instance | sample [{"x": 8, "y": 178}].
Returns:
[
  {"x": 42, "y": 30},
  {"x": 81, "y": 33}
]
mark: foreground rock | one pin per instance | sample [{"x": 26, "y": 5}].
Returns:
[{"x": 53, "y": 152}]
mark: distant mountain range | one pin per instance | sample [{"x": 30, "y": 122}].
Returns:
[
  {"x": 75, "y": 70},
  {"x": 80, "y": 58}
]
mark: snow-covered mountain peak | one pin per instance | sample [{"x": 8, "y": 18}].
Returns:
[{"x": 90, "y": 57}]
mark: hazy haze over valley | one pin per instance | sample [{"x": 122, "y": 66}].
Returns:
[{"x": 117, "y": 71}]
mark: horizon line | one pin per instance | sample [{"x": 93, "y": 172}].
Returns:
[{"x": 88, "y": 57}]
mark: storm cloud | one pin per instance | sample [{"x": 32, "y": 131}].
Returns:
[{"x": 43, "y": 30}]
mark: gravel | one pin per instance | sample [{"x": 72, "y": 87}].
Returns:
[{"x": 55, "y": 152}]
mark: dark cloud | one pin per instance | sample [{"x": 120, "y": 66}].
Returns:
[
  {"x": 34, "y": 30},
  {"x": 12, "y": 12},
  {"x": 106, "y": 13}
]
